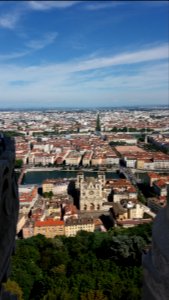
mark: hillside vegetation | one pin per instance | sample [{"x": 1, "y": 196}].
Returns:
[{"x": 90, "y": 266}]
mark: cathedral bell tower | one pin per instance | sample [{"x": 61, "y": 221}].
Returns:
[{"x": 102, "y": 178}]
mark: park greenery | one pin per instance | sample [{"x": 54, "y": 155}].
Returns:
[
  {"x": 11, "y": 133},
  {"x": 54, "y": 132},
  {"x": 115, "y": 129},
  {"x": 155, "y": 147},
  {"x": 90, "y": 266},
  {"x": 142, "y": 198},
  {"x": 141, "y": 137},
  {"x": 48, "y": 194},
  {"x": 18, "y": 163},
  {"x": 120, "y": 143},
  {"x": 130, "y": 129}
]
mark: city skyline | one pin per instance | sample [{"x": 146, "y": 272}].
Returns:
[{"x": 83, "y": 53}]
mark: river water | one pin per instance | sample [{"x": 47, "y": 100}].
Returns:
[{"x": 37, "y": 177}]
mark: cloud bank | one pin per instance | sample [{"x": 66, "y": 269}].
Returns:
[
  {"x": 47, "y": 5},
  {"x": 59, "y": 84}
]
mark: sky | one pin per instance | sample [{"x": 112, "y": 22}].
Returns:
[{"x": 84, "y": 53}]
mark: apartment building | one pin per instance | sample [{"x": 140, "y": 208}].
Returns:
[
  {"x": 128, "y": 216},
  {"x": 120, "y": 189},
  {"x": 73, "y": 158},
  {"x": 57, "y": 186},
  {"x": 122, "y": 138},
  {"x": 87, "y": 158},
  {"x": 50, "y": 228},
  {"x": 72, "y": 226}
]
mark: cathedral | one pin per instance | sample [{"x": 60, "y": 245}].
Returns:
[
  {"x": 92, "y": 195},
  {"x": 99, "y": 194}
]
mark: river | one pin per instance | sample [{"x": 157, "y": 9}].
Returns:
[{"x": 37, "y": 177}]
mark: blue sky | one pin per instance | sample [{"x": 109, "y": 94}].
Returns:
[{"x": 84, "y": 53}]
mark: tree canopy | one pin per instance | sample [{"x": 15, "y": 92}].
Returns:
[
  {"x": 102, "y": 266},
  {"x": 18, "y": 163}
]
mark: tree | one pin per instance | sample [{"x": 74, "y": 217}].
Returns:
[
  {"x": 114, "y": 129},
  {"x": 11, "y": 133},
  {"x": 50, "y": 195},
  {"x": 18, "y": 163},
  {"x": 93, "y": 295},
  {"x": 13, "y": 288},
  {"x": 89, "y": 266},
  {"x": 60, "y": 294},
  {"x": 98, "y": 127},
  {"x": 141, "y": 138},
  {"x": 141, "y": 198}
]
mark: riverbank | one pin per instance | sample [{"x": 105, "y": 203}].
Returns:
[
  {"x": 69, "y": 169},
  {"x": 41, "y": 169}
]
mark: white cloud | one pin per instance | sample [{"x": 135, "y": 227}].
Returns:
[
  {"x": 13, "y": 55},
  {"x": 145, "y": 55},
  {"x": 98, "y": 5},
  {"x": 103, "y": 4},
  {"x": 156, "y": 3},
  {"x": 141, "y": 56},
  {"x": 88, "y": 79},
  {"x": 156, "y": 53},
  {"x": 31, "y": 46},
  {"x": 48, "y": 39},
  {"x": 46, "y": 5},
  {"x": 10, "y": 20},
  {"x": 144, "y": 78}
]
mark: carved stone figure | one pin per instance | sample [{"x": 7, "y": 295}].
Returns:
[
  {"x": 156, "y": 261},
  {"x": 9, "y": 205}
]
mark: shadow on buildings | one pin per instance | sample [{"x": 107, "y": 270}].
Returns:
[
  {"x": 75, "y": 193},
  {"x": 110, "y": 196},
  {"x": 107, "y": 222}
]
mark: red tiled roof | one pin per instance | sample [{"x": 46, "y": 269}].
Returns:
[
  {"x": 49, "y": 222},
  {"x": 160, "y": 183},
  {"x": 153, "y": 175},
  {"x": 133, "y": 222}
]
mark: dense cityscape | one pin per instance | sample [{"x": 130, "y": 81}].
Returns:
[
  {"x": 82, "y": 172},
  {"x": 113, "y": 170}
]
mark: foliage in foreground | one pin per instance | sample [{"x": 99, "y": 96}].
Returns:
[
  {"x": 90, "y": 266},
  {"x": 13, "y": 288}
]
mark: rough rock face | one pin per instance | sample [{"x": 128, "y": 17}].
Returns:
[
  {"x": 9, "y": 204},
  {"x": 156, "y": 261}
]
